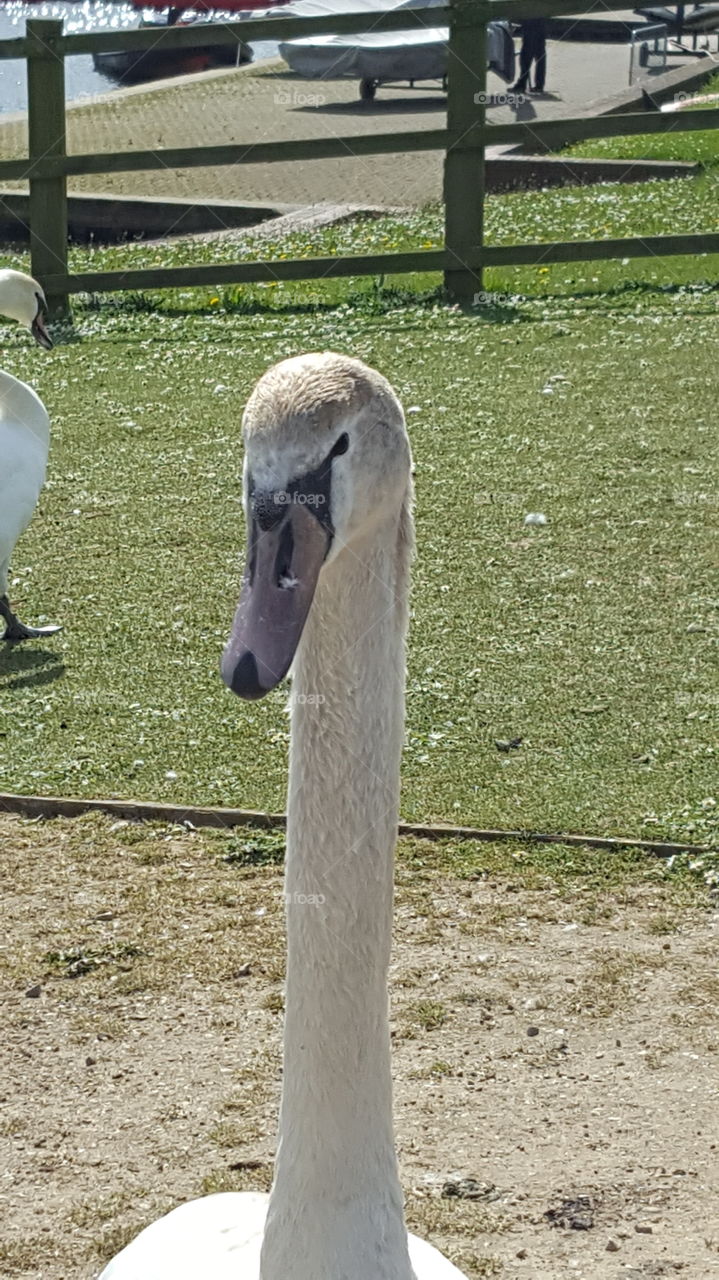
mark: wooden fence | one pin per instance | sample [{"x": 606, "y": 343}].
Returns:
[{"x": 465, "y": 254}]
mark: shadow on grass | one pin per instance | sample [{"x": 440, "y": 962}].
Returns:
[
  {"x": 28, "y": 668},
  {"x": 380, "y": 300},
  {"x": 63, "y": 333},
  {"x": 631, "y": 291}
]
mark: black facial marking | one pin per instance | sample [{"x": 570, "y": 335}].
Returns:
[
  {"x": 283, "y": 563},
  {"x": 268, "y": 512},
  {"x": 340, "y": 446},
  {"x": 269, "y": 507},
  {"x": 252, "y": 558}
]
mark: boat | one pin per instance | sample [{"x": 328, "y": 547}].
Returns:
[
  {"x": 132, "y": 65},
  {"x": 147, "y": 64},
  {"x": 245, "y": 7},
  {"x": 385, "y": 57}
]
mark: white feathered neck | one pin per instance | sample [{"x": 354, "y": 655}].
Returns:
[{"x": 336, "y": 1206}]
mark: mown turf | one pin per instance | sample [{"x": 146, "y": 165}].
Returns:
[
  {"x": 599, "y": 212},
  {"x": 589, "y": 397},
  {"x": 701, "y": 147}
]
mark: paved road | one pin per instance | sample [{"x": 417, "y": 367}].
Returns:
[{"x": 264, "y": 103}]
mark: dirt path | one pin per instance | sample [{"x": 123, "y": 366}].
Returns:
[{"x": 556, "y": 1051}]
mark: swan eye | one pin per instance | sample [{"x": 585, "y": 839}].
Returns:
[{"x": 340, "y": 446}]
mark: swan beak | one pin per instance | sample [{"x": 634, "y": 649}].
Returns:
[
  {"x": 281, "y": 575},
  {"x": 40, "y": 333}
]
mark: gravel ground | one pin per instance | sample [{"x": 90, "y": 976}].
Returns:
[{"x": 555, "y": 1051}]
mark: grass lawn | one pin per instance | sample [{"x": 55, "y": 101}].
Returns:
[
  {"x": 539, "y": 994},
  {"x": 701, "y": 147},
  {"x": 587, "y": 393},
  {"x": 579, "y": 213}
]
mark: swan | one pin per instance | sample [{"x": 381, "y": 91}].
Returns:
[
  {"x": 24, "y": 441},
  {"x": 328, "y": 497}
]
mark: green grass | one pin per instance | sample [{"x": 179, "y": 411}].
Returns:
[
  {"x": 585, "y": 392},
  {"x": 701, "y": 147},
  {"x": 575, "y": 213}
]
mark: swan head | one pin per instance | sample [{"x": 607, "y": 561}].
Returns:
[
  {"x": 23, "y": 299},
  {"x": 327, "y": 464}
]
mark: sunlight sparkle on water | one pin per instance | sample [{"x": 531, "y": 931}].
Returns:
[{"x": 82, "y": 80}]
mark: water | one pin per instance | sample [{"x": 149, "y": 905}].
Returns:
[{"x": 81, "y": 78}]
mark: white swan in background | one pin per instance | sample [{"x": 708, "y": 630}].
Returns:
[
  {"x": 328, "y": 495},
  {"x": 24, "y": 442}
]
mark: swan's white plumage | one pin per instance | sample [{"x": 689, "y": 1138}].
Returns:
[
  {"x": 219, "y": 1238},
  {"x": 24, "y": 443},
  {"x": 24, "y": 439},
  {"x": 335, "y": 1211}
]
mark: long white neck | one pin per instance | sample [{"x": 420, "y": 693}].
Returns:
[{"x": 336, "y": 1210}]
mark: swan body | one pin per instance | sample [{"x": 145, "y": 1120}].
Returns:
[
  {"x": 24, "y": 441},
  {"x": 220, "y": 1237},
  {"x": 327, "y": 481}
]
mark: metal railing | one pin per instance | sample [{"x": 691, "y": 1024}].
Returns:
[{"x": 648, "y": 42}]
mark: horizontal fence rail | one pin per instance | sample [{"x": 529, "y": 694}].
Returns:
[
  {"x": 280, "y": 27},
  {"x": 545, "y": 132},
  {"x": 510, "y": 255},
  {"x": 464, "y": 141}
]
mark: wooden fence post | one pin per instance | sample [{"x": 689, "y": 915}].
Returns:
[
  {"x": 46, "y": 137},
  {"x": 464, "y": 165}
]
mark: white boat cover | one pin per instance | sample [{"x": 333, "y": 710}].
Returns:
[
  {"x": 333, "y": 8},
  {"x": 386, "y": 55}
]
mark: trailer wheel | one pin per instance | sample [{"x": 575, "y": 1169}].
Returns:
[{"x": 368, "y": 90}]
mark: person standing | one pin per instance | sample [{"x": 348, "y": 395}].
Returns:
[{"x": 534, "y": 50}]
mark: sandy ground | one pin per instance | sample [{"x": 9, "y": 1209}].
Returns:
[
  {"x": 262, "y": 104},
  {"x": 556, "y": 1054}
]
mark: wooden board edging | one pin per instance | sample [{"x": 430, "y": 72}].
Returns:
[{"x": 207, "y": 816}]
